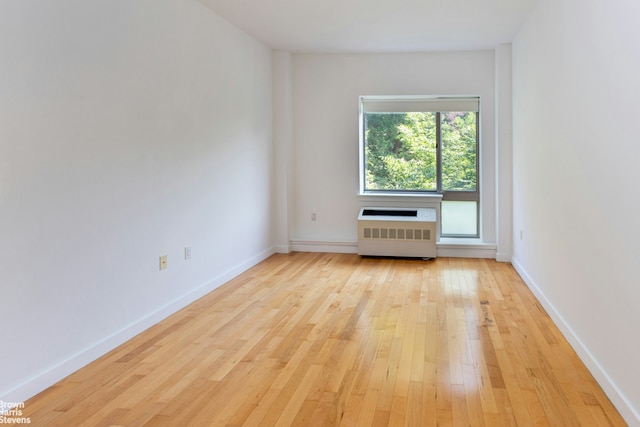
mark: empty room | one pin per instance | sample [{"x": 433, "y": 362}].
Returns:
[{"x": 260, "y": 212}]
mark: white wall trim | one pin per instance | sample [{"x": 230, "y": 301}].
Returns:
[
  {"x": 44, "y": 379},
  {"x": 324, "y": 246},
  {"x": 282, "y": 249},
  {"x": 453, "y": 250},
  {"x": 619, "y": 400},
  {"x": 456, "y": 250},
  {"x": 500, "y": 257}
]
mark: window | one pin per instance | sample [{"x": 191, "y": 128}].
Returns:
[{"x": 424, "y": 145}]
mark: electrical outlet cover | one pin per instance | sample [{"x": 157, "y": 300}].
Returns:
[{"x": 163, "y": 262}]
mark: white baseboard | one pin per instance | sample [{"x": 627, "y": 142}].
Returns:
[
  {"x": 503, "y": 257},
  {"x": 453, "y": 250},
  {"x": 282, "y": 249},
  {"x": 466, "y": 250},
  {"x": 619, "y": 400},
  {"x": 44, "y": 379},
  {"x": 324, "y": 246}
]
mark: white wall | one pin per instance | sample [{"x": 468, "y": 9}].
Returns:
[
  {"x": 576, "y": 151},
  {"x": 127, "y": 130},
  {"x": 325, "y": 98},
  {"x": 283, "y": 147},
  {"x": 504, "y": 152}
]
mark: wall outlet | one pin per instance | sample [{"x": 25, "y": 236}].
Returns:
[
  {"x": 187, "y": 252},
  {"x": 313, "y": 216},
  {"x": 163, "y": 262}
]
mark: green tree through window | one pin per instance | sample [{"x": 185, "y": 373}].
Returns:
[
  {"x": 459, "y": 170},
  {"x": 401, "y": 151}
]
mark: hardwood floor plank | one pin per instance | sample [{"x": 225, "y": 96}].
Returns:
[{"x": 336, "y": 339}]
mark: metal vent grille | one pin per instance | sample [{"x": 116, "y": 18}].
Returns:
[{"x": 396, "y": 233}]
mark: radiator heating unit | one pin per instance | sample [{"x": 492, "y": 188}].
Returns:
[{"x": 397, "y": 232}]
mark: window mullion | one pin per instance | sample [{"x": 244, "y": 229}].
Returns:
[
  {"x": 478, "y": 152},
  {"x": 438, "y": 154}
]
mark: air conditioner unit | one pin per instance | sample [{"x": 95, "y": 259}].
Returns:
[{"x": 397, "y": 232}]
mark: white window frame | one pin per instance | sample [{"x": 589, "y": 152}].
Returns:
[{"x": 437, "y": 104}]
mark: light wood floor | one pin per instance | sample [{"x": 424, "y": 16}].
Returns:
[{"x": 330, "y": 339}]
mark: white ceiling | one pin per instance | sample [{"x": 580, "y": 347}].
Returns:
[{"x": 376, "y": 25}]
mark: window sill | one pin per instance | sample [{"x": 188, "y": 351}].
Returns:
[{"x": 400, "y": 197}]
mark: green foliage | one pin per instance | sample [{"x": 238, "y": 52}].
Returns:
[
  {"x": 459, "y": 151},
  {"x": 401, "y": 151}
]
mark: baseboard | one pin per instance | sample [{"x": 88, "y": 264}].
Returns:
[
  {"x": 453, "y": 250},
  {"x": 52, "y": 375},
  {"x": 503, "y": 257},
  {"x": 282, "y": 249},
  {"x": 324, "y": 246},
  {"x": 619, "y": 400},
  {"x": 466, "y": 250}
]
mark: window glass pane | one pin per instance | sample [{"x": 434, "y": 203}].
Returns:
[
  {"x": 400, "y": 151},
  {"x": 459, "y": 148},
  {"x": 459, "y": 218}
]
